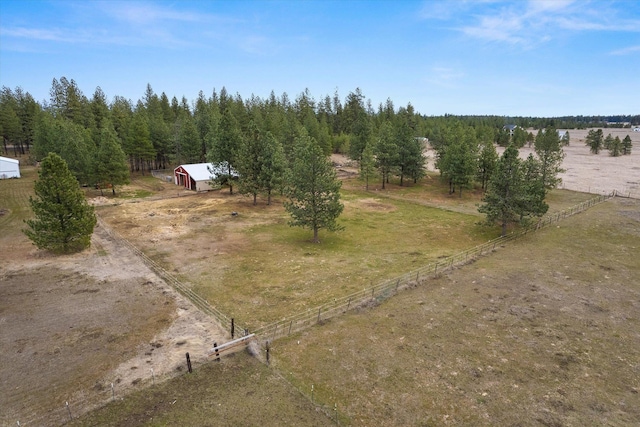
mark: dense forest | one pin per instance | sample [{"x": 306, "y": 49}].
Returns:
[{"x": 156, "y": 132}]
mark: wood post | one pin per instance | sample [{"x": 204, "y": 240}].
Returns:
[
  {"x": 233, "y": 327},
  {"x": 189, "y": 363},
  {"x": 215, "y": 349}
]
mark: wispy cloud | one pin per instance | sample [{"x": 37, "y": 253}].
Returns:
[
  {"x": 447, "y": 77},
  {"x": 35, "y": 34},
  {"x": 141, "y": 24},
  {"x": 626, "y": 50},
  {"x": 148, "y": 13},
  {"x": 527, "y": 24}
]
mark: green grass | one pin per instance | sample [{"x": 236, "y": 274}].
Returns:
[
  {"x": 279, "y": 272},
  {"x": 15, "y": 208},
  {"x": 257, "y": 269}
]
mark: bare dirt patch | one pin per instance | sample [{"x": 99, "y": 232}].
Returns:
[
  {"x": 371, "y": 205},
  {"x": 72, "y": 325}
]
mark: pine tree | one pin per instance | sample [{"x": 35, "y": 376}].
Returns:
[
  {"x": 367, "y": 164},
  {"x": 224, "y": 147},
  {"x": 64, "y": 221},
  {"x": 410, "y": 159},
  {"x": 607, "y": 142},
  {"x": 273, "y": 166},
  {"x": 386, "y": 151},
  {"x": 626, "y": 145},
  {"x": 503, "y": 197},
  {"x": 487, "y": 163},
  {"x": 615, "y": 147},
  {"x": 531, "y": 198},
  {"x": 110, "y": 164},
  {"x": 549, "y": 150},
  {"x": 249, "y": 162},
  {"x": 314, "y": 190},
  {"x": 595, "y": 140}
]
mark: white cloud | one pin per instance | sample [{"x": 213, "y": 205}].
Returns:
[
  {"x": 528, "y": 24},
  {"x": 444, "y": 76},
  {"x": 626, "y": 50}
]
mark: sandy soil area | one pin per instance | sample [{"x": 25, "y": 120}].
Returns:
[
  {"x": 73, "y": 325},
  {"x": 599, "y": 173},
  {"x": 592, "y": 173}
]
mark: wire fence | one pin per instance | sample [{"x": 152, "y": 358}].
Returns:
[
  {"x": 81, "y": 402},
  {"x": 27, "y": 409},
  {"x": 381, "y": 291},
  {"x": 227, "y": 324}
]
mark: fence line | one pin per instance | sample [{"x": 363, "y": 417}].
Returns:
[
  {"x": 225, "y": 322},
  {"x": 387, "y": 288}
]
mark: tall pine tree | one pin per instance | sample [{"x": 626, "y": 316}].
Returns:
[
  {"x": 313, "y": 190},
  {"x": 64, "y": 221}
]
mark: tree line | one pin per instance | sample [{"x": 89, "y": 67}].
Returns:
[{"x": 256, "y": 142}]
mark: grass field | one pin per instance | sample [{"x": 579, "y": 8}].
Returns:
[
  {"x": 542, "y": 332},
  {"x": 257, "y": 269}
]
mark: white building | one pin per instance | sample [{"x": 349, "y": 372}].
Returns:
[
  {"x": 9, "y": 168},
  {"x": 197, "y": 176}
]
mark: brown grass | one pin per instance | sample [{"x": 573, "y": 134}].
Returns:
[{"x": 543, "y": 332}]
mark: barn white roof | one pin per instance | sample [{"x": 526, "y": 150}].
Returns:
[{"x": 200, "y": 171}]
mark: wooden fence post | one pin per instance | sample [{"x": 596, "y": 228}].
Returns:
[
  {"x": 189, "y": 363},
  {"x": 267, "y": 348},
  {"x": 215, "y": 349},
  {"x": 233, "y": 327},
  {"x": 290, "y": 325}
]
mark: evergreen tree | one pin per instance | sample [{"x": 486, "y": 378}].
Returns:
[
  {"x": 533, "y": 192},
  {"x": 224, "y": 147},
  {"x": 64, "y": 221},
  {"x": 458, "y": 158},
  {"x": 519, "y": 137},
  {"x": 595, "y": 140},
  {"x": 139, "y": 146},
  {"x": 410, "y": 159},
  {"x": 314, "y": 190},
  {"x": 615, "y": 147},
  {"x": 549, "y": 150},
  {"x": 110, "y": 163},
  {"x": 367, "y": 164},
  {"x": 385, "y": 151},
  {"x": 250, "y": 162},
  {"x": 502, "y": 201},
  {"x": 607, "y": 142},
  {"x": 626, "y": 145},
  {"x": 273, "y": 166},
  {"x": 486, "y": 163}
]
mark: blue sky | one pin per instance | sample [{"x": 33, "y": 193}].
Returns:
[{"x": 516, "y": 58}]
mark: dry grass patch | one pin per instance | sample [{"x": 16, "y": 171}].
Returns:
[
  {"x": 257, "y": 269},
  {"x": 543, "y": 332}
]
